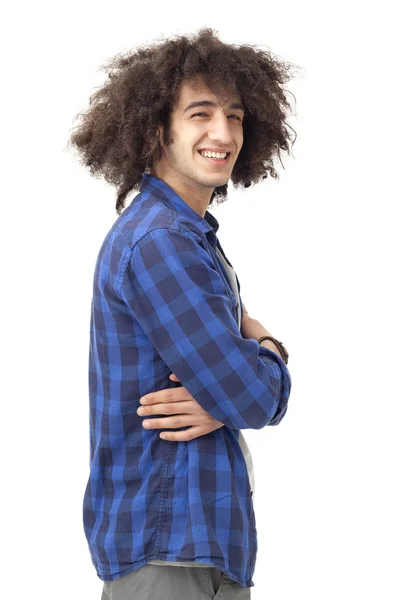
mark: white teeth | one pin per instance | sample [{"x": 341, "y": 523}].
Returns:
[{"x": 214, "y": 154}]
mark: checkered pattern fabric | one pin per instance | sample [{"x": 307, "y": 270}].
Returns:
[{"x": 162, "y": 304}]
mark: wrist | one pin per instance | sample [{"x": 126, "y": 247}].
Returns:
[{"x": 270, "y": 346}]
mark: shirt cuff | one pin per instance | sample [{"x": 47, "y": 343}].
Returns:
[{"x": 286, "y": 384}]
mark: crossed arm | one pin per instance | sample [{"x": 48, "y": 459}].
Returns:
[
  {"x": 169, "y": 284},
  {"x": 179, "y": 406}
]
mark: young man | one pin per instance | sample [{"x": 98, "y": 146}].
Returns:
[{"x": 170, "y": 340}]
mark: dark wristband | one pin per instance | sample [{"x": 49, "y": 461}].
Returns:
[{"x": 282, "y": 350}]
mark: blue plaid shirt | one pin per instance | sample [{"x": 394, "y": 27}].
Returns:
[{"x": 162, "y": 304}]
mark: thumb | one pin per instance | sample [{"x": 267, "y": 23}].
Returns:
[{"x": 173, "y": 377}]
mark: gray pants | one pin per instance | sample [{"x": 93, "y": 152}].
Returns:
[{"x": 159, "y": 582}]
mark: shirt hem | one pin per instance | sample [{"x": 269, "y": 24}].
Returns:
[{"x": 206, "y": 559}]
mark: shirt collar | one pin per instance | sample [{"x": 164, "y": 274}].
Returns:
[{"x": 161, "y": 188}]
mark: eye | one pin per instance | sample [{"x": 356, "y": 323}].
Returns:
[{"x": 200, "y": 114}]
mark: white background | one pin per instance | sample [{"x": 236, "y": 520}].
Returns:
[{"x": 318, "y": 266}]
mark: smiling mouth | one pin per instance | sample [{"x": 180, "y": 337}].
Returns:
[{"x": 217, "y": 161}]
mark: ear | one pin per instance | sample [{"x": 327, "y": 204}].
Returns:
[{"x": 160, "y": 135}]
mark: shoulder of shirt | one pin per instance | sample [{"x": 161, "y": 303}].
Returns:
[
  {"x": 144, "y": 216},
  {"x": 140, "y": 219}
]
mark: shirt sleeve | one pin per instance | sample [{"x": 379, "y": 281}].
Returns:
[{"x": 170, "y": 284}]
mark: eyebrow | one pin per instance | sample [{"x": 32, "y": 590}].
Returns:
[{"x": 234, "y": 105}]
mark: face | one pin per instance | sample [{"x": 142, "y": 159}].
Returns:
[{"x": 216, "y": 124}]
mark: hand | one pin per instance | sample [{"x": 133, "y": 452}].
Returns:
[
  {"x": 186, "y": 410},
  {"x": 245, "y": 313},
  {"x": 251, "y": 328}
]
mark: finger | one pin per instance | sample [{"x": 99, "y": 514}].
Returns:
[
  {"x": 173, "y": 377},
  {"x": 187, "y": 435},
  {"x": 174, "y": 422},
  {"x": 169, "y": 395},
  {"x": 171, "y": 408}
]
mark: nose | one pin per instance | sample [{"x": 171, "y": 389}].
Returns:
[{"x": 219, "y": 130}]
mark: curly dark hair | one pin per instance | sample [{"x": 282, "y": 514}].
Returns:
[{"x": 117, "y": 136}]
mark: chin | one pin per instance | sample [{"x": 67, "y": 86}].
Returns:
[
  {"x": 222, "y": 181},
  {"x": 219, "y": 179}
]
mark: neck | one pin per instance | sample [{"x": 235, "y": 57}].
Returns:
[{"x": 198, "y": 199}]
